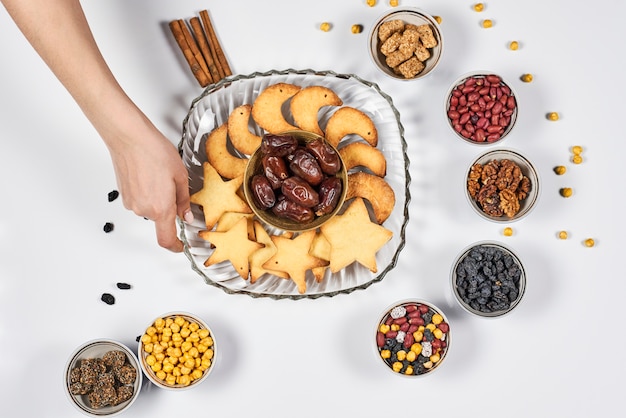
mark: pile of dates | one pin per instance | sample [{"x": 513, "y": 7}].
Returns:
[{"x": 298, "y": 182}]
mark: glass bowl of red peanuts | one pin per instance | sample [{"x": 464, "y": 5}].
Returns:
[
  {"x": 412, "y": 338},
  {"x": 481, "y": 108}
]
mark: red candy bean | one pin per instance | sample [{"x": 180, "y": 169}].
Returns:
[{"x": 380, "y": 339}]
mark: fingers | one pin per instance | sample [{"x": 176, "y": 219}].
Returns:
[
  {"x": 183, "y": 205},
  {"x": 167, "y": 234}
]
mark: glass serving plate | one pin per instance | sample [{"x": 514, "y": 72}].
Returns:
[{"x": 211, "y": 109}]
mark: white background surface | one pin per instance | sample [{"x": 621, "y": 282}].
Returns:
[{"x": 560, "y": 352}]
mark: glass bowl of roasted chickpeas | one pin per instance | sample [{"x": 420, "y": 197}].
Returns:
[
  {"x": 177, "y": 351},
  {"x": 406, "y": 43}
]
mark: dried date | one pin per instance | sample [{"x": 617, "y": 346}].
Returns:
[
  {"x": 262, "y": 192},
  {"x": 287, "y": 209},
  {"x": 300, "y": 192},
  {"x": 304, "y": 165},
  {"x": 326, "y": 156},
  {"x": 278, "y": 145},
  {"x": 275, "y": 169},
  {"x": 329, "y": 193}
]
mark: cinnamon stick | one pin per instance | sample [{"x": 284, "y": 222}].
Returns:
[
  {"x": 193, "y": 45},
  {"x": 191, "y": 59},
  {"x": 205, "y": 49},
  {"x": 221, "y": 58}
]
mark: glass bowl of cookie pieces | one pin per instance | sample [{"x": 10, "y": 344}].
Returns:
[
  {"x": 406, "y": 44},
  {"x": 102, "y": 378}
]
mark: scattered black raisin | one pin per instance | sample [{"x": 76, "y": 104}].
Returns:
[
  {"x": 108, "y": 227},
  {"x": 123, "y": 286},
  {"x": 108, "y": 298},
  {"x": 113, "y": 194}
]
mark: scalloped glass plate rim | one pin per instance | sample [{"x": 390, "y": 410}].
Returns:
[{"x": 225, "y": 83}]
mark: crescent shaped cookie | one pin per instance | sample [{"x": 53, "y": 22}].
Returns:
[
  {"x": 242, "y": 139},
  {"x": 348, "y": 120},
  {"x": 359, "y": 154},
  {"x": 226, "y": 164},
  {"x": 267, "y": 107},
  {"x": 305, "y": 106},
  {"x": 373, "y": 189}
]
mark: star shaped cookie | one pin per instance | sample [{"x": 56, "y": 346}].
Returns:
[
  {"x": 354, "y": 237},
  {"x": 292, "y": 256},
  {"x": 232, "y": 245},
  {"x": 218, "y": 196}
]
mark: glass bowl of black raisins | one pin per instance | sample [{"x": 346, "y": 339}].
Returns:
[
  {"x": 488, "y": 279},
  {"x": 295, "y": 181},
  {"x": 102, "y": 378},
  {"x": 412, "y": 337}
]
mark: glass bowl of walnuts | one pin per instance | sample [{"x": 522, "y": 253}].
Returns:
[
  {"x": 502, "y": 185},
  {"x": 406, "y": 44}
]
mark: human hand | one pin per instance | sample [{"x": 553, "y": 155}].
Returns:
[{"x": 153, "y": 183}]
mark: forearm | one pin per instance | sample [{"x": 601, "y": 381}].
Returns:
[{"x": 59, "y": 32}]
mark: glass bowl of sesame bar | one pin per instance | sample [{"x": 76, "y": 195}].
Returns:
[
  {"x": 102, "y": 378},
  {"x": 406, "y": 44}
]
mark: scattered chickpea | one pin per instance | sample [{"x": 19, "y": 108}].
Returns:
[
  {"x": 577, "y": 159},
  {"x": 487, "y": 23},
  {"x": 577, "y": 149},
  {"x": 479, "y": 7},
  {"x": 508, "y": 231},
  {"x": 566, "y": 191},
  {"x": 527, "y": 78},
  {"x": 562, "y": 235},
  {"x": 589, "y": 242},
  {"x": 371, "y": 3},
  {"x": 553, "y": 116},
  {"x": 560, "y": 170},
  {"x": 514, "y": 45},
  {"x": 393, "y": 3},
  {"x": 438, "y": 19},
  {"x": 357, "y": 28},
  {"x": 325, "y": 26}
]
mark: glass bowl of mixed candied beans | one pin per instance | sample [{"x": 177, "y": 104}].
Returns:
[
  {"x": 412, "y": 338},
  {"x": 481, "y": 108}
]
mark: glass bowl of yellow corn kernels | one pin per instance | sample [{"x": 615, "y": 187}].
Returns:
[
  {"x": 406, "y": 43},
  {"x": 412, "y": 338},
  {"x": 177, "y": 351}
]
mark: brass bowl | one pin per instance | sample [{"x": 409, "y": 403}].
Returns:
[{"x": 255, "y": 167}]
